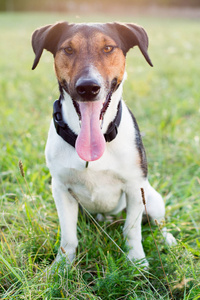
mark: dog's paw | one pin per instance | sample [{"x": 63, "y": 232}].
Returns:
[
  {"x": 61, "y": 262},
  {"x": 139, "y": 261},
  {"x": 169, "y": 238},
  {"x": 143, "y": 263}
]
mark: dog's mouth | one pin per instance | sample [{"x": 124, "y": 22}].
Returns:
[
  {"x": 105, "y": 105},
  {"x": 90, "y": 143}
]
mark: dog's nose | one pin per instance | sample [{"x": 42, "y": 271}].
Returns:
[{"x": 88, "y": 89}]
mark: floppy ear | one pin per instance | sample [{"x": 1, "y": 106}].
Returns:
[
  {"x": 48, "y": 38},
  {"x": 133, "y": 35}
]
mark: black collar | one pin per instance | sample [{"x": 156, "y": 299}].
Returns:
[{"x": 70, "y": 137}]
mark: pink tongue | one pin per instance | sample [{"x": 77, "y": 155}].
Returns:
[{"x": 90, "y": 144}]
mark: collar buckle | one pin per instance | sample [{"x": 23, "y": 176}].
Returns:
[
  {"x": 111, "y": 132},
  {"x": 57, "y": 116}
]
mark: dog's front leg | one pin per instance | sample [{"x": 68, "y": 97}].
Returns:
[
  {"x": 67, "y": 208},
  {"x": 132, "y": 227}
]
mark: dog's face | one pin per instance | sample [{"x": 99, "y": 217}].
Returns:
[{"x": 89, "y": 65}]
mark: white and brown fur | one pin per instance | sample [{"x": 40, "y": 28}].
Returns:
[{"x": 114, "y": 181}]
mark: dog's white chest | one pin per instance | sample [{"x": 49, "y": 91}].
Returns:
[{"x": 98, "y": 192}]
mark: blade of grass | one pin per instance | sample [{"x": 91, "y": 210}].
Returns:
[
  {"x": 144, "y": 202},
  {"x": 11, "y": 268}
]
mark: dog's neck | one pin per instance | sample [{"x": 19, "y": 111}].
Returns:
[{"x": 71, "y": 117}]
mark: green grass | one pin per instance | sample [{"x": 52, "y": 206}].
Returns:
[{"x": 165, "y": 101}]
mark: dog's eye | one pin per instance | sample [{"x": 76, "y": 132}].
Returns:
[
  {"x": 69, "y": 50},
  {"x": 108, "y": 49}
]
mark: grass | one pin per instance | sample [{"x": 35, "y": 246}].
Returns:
[{"x": 165, "y": 100}]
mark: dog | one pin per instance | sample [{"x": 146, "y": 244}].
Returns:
[{"x": 94, "y": 149}]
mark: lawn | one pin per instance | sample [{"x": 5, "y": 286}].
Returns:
[{"x": 165, "y": 101}]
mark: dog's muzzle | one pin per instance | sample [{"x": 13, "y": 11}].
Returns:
[{"x": 91, "y": 99}]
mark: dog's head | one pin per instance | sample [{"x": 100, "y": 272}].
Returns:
[{"x": 89, "y": 65}]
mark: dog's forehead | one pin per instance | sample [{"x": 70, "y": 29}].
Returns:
[{"x": 90, "y": 30}]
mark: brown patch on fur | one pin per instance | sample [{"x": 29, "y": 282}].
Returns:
[{"x": 86, "y": 52}]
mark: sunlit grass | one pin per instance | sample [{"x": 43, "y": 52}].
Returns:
[{"x": 165, "y": 101}]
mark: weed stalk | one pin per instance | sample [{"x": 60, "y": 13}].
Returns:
[{"x": 21, "y": 168}]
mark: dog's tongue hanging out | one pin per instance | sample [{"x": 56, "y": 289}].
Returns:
[{"x": 90, "y": 144}]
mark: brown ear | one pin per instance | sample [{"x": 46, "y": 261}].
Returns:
[
  {"x": 48, "y": 38},
  {"x": 133, "y": 35}
]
